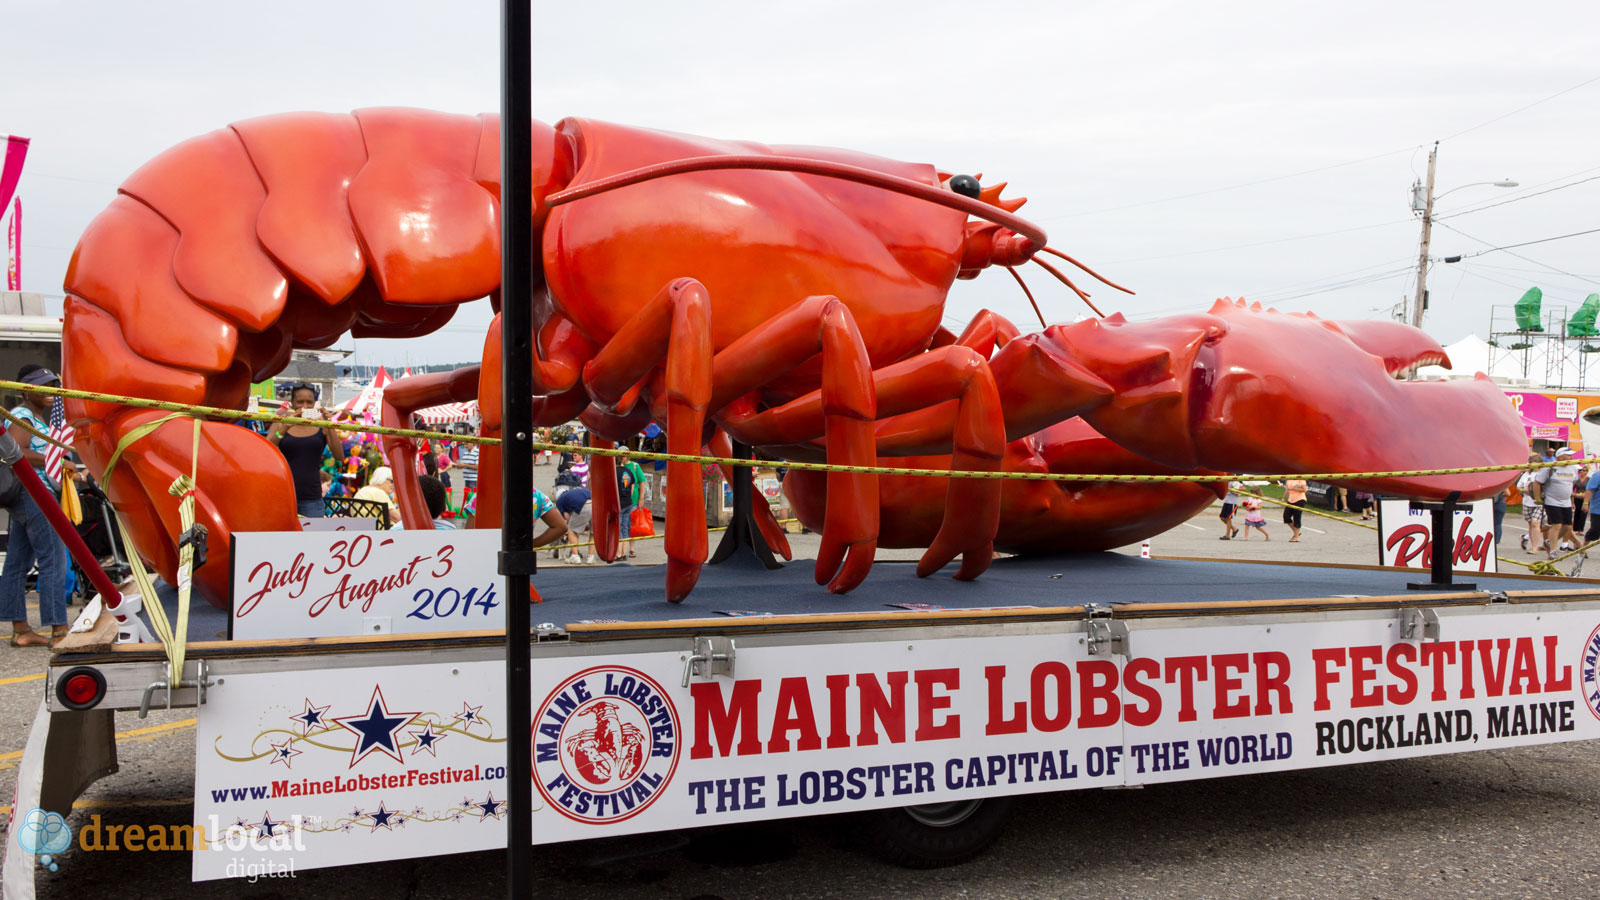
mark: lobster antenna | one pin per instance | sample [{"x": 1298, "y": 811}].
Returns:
[
  {"x": 1054, "y": 252},
  {"x": 1068, "y": 282},
  {"x": 1024, "y": 285}
]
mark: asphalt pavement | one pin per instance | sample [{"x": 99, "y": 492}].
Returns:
[{"x": 1500, "y": 824}]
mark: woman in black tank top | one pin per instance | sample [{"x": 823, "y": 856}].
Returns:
[{"x": 302, "y": 446}]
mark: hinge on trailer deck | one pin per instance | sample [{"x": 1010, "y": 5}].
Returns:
[
  {"x": 200, "y": 682},
  {"x": 1419, "y": 624},
  {"x": 712, "y": 656},
  {"x": 1103, "y": 634},
  {"x": 1498, "y": 597}
]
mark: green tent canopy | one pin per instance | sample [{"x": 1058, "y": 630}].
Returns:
[
  {"x": 1528, "y": 310},
  {"x": 1582, "y": 322}
]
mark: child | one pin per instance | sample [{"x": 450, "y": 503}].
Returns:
[{"x": 1254, "y": 519}]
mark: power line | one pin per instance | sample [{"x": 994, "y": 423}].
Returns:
[
  {"x": 1523, "y": 108},
  {"x": 1521, "y": 270},
  {"x": 1546, "y": 280},
  {"x": 1231, "y": 187},
  {"x": 1276, "y": 298},
  {"x": 1522, "y": 244},
  {"x": 1354, "y": 282},
  {"x": 1298, "y": 237},
  {"x": 1469, "y": 212},
  {"x": 1507, "y": 249},
  {"x": 1325, "y": 280}
]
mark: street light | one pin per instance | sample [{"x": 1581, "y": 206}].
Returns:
[{"x": 1422, "y": 201}]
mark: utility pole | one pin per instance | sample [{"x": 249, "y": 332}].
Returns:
[{"x": 1427, "y": 227}]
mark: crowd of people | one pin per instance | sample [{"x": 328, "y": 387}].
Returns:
[
  {"x": 1295, "y": 492},
  {"x": 1557, "y": 504}
]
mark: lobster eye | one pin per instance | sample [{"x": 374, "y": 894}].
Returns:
[{"x": 965, "y": 185}]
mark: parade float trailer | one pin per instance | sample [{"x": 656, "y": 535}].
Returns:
[{"x": 354, "y": 712}]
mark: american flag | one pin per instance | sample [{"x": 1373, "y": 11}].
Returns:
[{"x": 59, "y": 431}]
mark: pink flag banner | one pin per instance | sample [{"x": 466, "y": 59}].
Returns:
[
  {"x": 11, "y": 173},
  {"x": 14, "y": 246}
]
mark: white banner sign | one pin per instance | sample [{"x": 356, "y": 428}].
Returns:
[
  {"x": 296, "y": 584},
  {"x": 300, "y": 770},
  {"x": 1405, "y": 536}
]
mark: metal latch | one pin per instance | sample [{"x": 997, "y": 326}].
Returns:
[
  {"x": 1103, "y": 634},
  {"x": 1419, "y": 624},
  {"x": 200, "y": 682},
  {"x": 712, "y": 656}
]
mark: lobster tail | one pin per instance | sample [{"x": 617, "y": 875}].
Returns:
[{"x": 220, "y": 256}]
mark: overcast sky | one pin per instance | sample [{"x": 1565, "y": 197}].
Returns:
[{"x": 1188, "y": 150}]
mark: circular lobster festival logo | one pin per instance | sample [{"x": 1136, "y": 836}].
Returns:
[
  {"x": 1589, "y": 667},
  {"x": 605, "y": 744}
]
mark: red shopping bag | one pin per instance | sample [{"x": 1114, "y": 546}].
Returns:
[{"x": 641, "y": 523}]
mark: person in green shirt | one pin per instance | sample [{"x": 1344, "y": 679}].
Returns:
[{"x": 630, "y": 479}]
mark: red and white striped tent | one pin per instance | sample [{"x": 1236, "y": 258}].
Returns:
[
  {"x": 370, "y": 400},
  {"x": 449, "y": 413}
]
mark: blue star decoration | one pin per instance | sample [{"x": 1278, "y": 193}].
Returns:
[
  {"x": 490, "y": 808},
  {"x": 284, "y": 753},
  {"x": 469, "y": 716},
  {"x": 311, "y": 718},
  {"x": 383, "y": 818},
  {"x": 426, "y": 739},
  {"x": 266, "y": 826},
  {"x": 376, "y": 729}
]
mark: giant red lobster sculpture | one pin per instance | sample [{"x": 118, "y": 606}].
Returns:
[{"x": 789, "y": 296}]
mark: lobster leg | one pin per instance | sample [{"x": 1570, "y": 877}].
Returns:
[
  {"x": 972, "y": 507},
  {"x": 608, "y": 430},
  {"x": 845, "y": 409},
  {"x": 675, "y": 324},
  {"x": 987, "y": 331},
  {"x": 557, "y": 374},
  {"x": 400, "y": 400},
  {"x": 604, "y": 506}
]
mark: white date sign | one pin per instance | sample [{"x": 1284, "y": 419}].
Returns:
[{"x": 298, "y": 584}]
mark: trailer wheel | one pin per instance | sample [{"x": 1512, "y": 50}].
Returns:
[{"x": 935, "y": 834}]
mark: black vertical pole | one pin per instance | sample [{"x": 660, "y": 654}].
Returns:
[
  {"x": 517, "y": 559},
  {"x": 1444, "y": 543}
]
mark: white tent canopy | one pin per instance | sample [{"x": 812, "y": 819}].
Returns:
[{"x": 1544, "y": 362}]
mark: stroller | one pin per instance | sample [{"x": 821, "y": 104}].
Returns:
[{"x": 99, "y": 532}]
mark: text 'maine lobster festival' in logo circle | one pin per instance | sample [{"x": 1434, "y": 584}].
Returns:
[
  {"x": 1589, "y": 668},
  {"x": 605, "y": 744}
]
